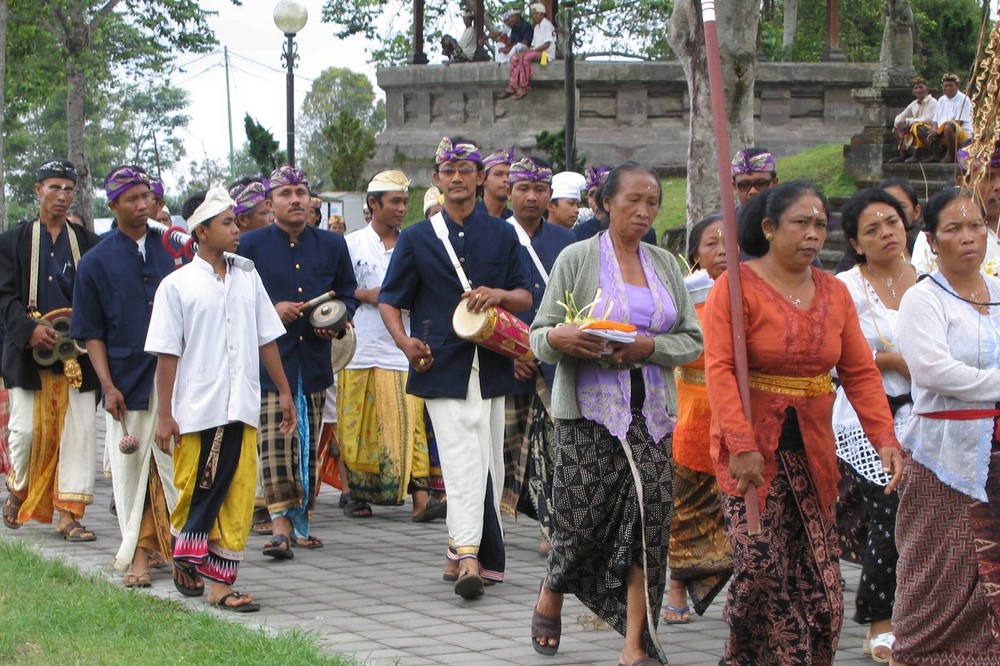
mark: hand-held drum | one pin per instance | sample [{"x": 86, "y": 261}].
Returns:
[{"x": 495, "y": 329}]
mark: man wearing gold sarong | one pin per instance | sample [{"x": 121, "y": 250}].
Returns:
[
  {"x": 381, "y": 428},
  {"x": 53, "y": 439}
]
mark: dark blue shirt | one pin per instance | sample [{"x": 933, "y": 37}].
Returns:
[
  {"x": 593, "y": 226},
  {"x": 422, "y": 280},
  {"x": 548, "y": 241},
  {"x": 318, "y": 262},
  {"x": 56, "y": 271},
  {"x": 522, "y": 32},
  {"x": 112, "y": 302},
  {"x": 505, "y": 215}
]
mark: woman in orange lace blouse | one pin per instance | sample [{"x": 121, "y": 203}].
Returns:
[{"x": 785, "y": 603}]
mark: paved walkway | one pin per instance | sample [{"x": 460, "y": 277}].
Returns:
[{"x": 375, "y": 591}]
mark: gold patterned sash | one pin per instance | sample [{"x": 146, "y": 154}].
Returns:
[
  {"x": 795, "y": 386},
  {"x": 691, "y": 376}
]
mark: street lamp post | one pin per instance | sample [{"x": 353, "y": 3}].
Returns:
[
  {"x": 570, "y": 86},
  {"x": 290, "y": 17}
]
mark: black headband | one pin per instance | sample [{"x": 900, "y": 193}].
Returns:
[{"x": 56, "y": 169}]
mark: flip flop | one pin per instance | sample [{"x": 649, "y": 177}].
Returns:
[
  {"x": 545, "y": 626},
  {"x": 73, "y": 531},
  {"x": 354, "y": 507},
  {"x": 677, "y": 611},
  {"x": 434, "y": 509},
  {"x": 273, "y": 548},
  {"x": 131, "y": 580},
  {"x": 304, "y": 543},
  {"x": 251, "y": 607},
  {"x": 191, "y": 572},
  {"x": 470, "y": 586}
]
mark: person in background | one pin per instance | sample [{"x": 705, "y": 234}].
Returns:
[
  {"x": 432, "y": 202},
  {"x": 496, "y": 166},
  {"x": 542, "y": 48},
  {"x": 599, "y": 219},
  {"x": 564, "y": 206},
  {"x": 950, "y": 127},
  {"x": 253, "y": 208},
  {"x": 920, "y": 110},
  {"x": 700, "y": 558}
]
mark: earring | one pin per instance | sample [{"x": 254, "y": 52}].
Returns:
[{"x": 768, "y": 236}]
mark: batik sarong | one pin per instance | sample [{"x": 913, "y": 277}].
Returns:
[
  {"x": 946, "y": 603},
  {"x": 612, "y": 503},
  {"x": 381, "y": 436},
  {"x": 786, "y": 602},
  {"x": 700, "y": 554},
  {"x": 215, "y": 472}
]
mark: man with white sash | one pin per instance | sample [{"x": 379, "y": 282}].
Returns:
[
  {"x": 53, "y": 449},
  {"x": 528, "y": 441},
  {"x": 112, "y": 304},
  {"x": 460, "y": 257}
]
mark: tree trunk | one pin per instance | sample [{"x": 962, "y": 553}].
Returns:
[
  {"x": 790, "y": 14},
  {"x": 76, "y": 95},
  {"x": 737, "y": 25},
  {"x": 4, "y": 22}
]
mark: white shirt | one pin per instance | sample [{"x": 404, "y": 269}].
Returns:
[
  {"x": 545, "y": 32},
  {"x": 216, "y": 327},
  {"x": 957, "y": 108},
  {"x": 953, "y": 354},
  {"x": 467, "y": 42},
  {"x": 918, "y": 112},
  {"x": 370, "y": 260},
  {"x": 925, "y": 261}
]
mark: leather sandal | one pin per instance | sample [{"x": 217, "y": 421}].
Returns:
[
  {"x": 11, "y": 507},
  {"x": 545, "y": 627}
]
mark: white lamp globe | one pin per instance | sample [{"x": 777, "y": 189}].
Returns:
[{"x": 290, "y": 16}]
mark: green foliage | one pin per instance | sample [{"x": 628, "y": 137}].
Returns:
[
  {"x": 101, "y": 623},
  {"x": 354, "y": 144},
  {"x": 263, "y": 147},
  {"x": 553, "y": 144},
  {"x": 948, "y": 31}
]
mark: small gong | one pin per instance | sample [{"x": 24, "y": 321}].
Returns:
[{"x": 329, "y": 316}]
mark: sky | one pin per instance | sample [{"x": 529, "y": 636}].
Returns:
[{"x": 256, "y": 74}]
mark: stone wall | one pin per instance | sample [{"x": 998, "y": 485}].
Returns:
[{"x": 635, "y": 111}]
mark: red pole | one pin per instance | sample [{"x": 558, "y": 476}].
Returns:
[{"x": 730, "y": 235}]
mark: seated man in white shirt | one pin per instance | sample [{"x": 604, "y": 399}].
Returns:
[
  {"x": 951, "y": 126},
  {"x": 543, "y": 48},
  {"x": 464, "y": 50},
  {"x": 209, "y": 323},
  {"x": 920, "y": 110}
]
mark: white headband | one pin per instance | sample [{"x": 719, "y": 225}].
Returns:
[{"x": 216, "y": 201}]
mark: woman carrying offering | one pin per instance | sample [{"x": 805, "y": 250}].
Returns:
[
  {"x": 875, "y": 225},
  {"x": 785, "y": 603},
  {"x": 700, "y": 558},
  {"x": 948, "y": 524},
  {"x": 614, "y": 406}
]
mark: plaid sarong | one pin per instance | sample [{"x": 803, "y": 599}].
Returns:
[{"x": 280, "y": 454}]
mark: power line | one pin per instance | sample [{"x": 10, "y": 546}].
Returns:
[{"x": 269, "y": 67}]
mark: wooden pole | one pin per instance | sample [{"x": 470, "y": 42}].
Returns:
[
  {"x": 730, "y": 236},
  {"x": 419, "y": 57}
]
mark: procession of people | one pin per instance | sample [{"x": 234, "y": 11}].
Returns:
[{"x": 506, "y": 357}]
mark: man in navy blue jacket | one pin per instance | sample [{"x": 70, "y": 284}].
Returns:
[{"x": 296, "y": 262}]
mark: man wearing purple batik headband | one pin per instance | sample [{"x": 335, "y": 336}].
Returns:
[
  {"x": 125, "y": 178},
  {"x": 253, "y": 208},
  {"x": 156, "y": 189},
  {"x": 497, "y": 167},
  {"x": 754, "y": 170},
  {"x": 286, "y": 175}
]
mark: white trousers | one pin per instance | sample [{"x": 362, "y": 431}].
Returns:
[
  {"x": 77, "y": 444},
  {"x": 469, "y": 435},
  {"x": 130, "y": 475}
]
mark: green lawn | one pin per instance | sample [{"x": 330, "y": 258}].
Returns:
[
  {"x": 823, "y": 165},
  {"x": 52, "y": 614}
]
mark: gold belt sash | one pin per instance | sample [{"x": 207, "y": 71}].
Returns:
[
  {"x": 691, "y": 376},
  {"x": 796, "y": 386}
]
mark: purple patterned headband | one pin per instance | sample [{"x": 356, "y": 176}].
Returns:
[
  {"x": 596, "y": 175},
  {"x": 499, "y": 156},
  {"x": 156, "y": 187},
  {"x": 122, "y": 179},
  {"x": 462, "y": 152},
  {"x": 529, "y": 170},
  {"x": 286, "y": 175},
  {"x": 962, "y": 158},
  {"x": 744, "y": 163},
  {"x": 249, "y": 197}
]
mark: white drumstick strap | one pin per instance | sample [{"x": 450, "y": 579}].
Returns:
[
  {"x": 522, "y": 236},
  {"x": 441, "y": 229}
]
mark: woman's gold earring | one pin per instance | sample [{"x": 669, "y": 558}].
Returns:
[{"x": 768, "y": 236}]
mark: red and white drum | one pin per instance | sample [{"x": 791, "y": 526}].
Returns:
[{"x": 493, "y": 328}]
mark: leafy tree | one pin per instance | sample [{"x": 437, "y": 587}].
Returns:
[
  {"x": 149, "y": 117},
  {"x": 354, "y": 144},
  {"x": 263, "y": 147},
  {"x": 553, "y": 144},
  {"x": 335, "y": 91}
]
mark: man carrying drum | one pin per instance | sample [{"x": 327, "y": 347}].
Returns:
[
  {"x": 38, "y": 264},
  {"x": 460, "y": 258},
  {"x": 528, "y": 432},
  {"x": 297, "y": 262}
]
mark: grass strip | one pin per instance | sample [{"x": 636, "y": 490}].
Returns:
[{"x": 51, "y": 613}]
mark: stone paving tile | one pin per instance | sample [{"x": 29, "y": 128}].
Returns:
[{"x": 375, "y": 591}]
